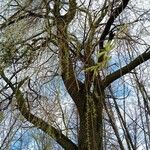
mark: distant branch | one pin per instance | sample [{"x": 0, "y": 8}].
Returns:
[{"x": 14, "y": 18}]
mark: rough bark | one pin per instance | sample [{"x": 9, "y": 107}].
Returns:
[{"x": 91, "y": 124}]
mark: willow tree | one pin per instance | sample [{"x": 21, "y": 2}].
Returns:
[{"x": 83, "y": 48}]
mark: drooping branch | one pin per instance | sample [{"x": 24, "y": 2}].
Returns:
[
  {"x": 110, "y": 21},
  {"x": 38, "y": 122},
  {"x": 126, "y": 69},
  {"x": 41, "y": 124}
]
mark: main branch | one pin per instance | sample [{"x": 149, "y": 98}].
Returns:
[
  {"x": 126, "y": 69},
  {"x": 110, "y": 21},
  {"x": 38, "y": 122},
  {"x": 41, "y": 124}
]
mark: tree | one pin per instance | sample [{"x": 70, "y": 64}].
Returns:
[{"x": 89, "y": 45}]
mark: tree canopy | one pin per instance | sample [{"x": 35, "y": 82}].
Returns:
[{"x": 78, "y": 70}]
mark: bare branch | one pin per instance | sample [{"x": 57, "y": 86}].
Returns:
[
  {"x": 68, "y": 17},
  {"x": 126, "y": 69},
  {"x": 113, "y": 16},
  {"x": 38, "y": 122},
  {"x": 44, "y": 126},
  {"x": 17, "y": 17}
]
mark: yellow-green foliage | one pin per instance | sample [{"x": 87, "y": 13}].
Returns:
[{"x": 105, "y": 54}]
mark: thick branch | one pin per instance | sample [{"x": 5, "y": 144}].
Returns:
[
  {"x": 126, "y": 69},
  {"x": 38, "y": 122},
  {"x": 68, "y": 17},
  {"x": 113, "y": 16},
  {"x": 44, "y": 126},
  {"x": 72, "y": 84}
]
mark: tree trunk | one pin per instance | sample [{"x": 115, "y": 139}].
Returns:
[{"x": 91, "y": 124}]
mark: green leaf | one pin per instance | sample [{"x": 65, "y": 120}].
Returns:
[
  {"x": 99, "y": 54},
  {"x": 109, "y": 46}
]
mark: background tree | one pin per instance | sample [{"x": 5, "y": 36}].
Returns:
[{"x": 77, "y": 70}]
